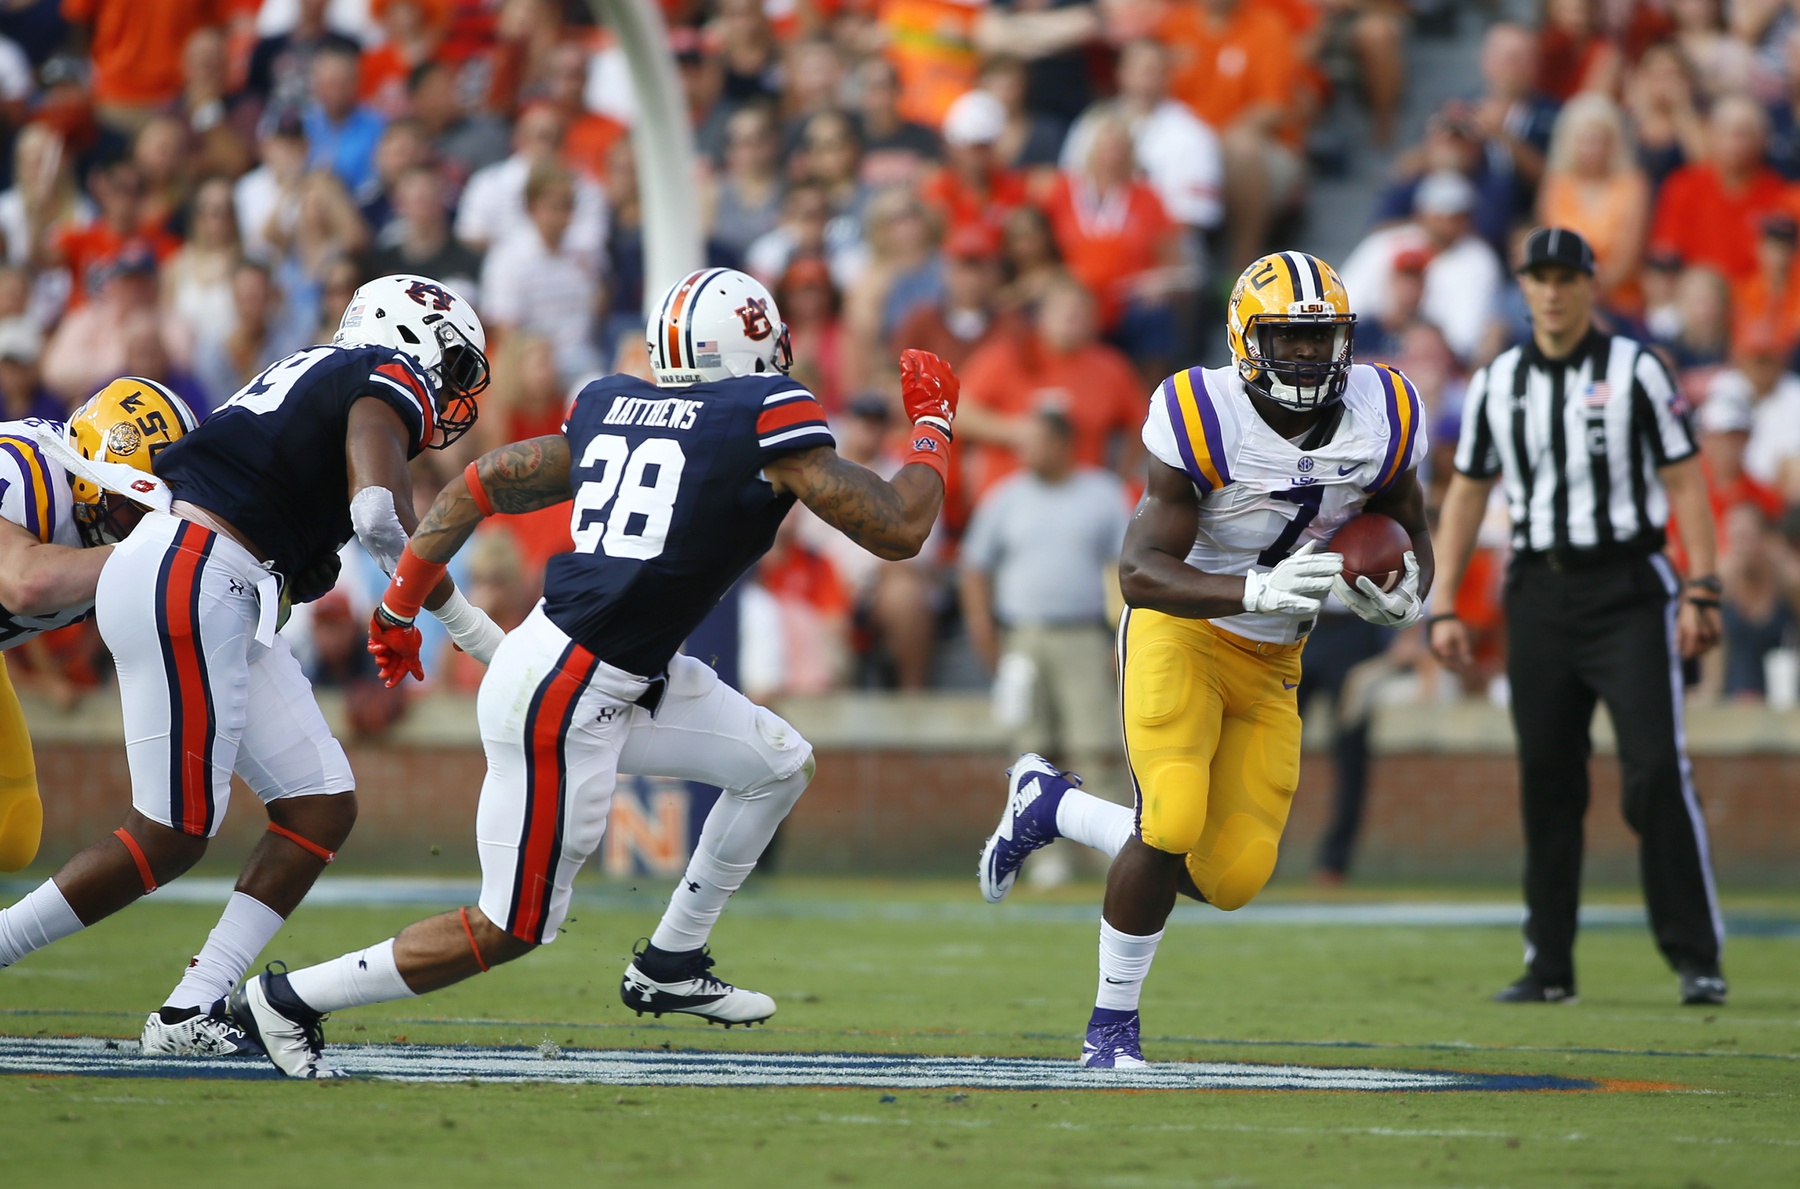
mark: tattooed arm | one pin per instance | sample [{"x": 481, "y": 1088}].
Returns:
[
  {"x": 890, "y": 520},
  {"x": 519, "y": 477}
]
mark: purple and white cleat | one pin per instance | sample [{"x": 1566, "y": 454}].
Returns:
[
  {"x": 1033, "y": 791},
  {"x": 1112, "y": 1041}
]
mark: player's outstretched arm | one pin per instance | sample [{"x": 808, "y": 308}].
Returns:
[
  {"x": 518, "y": 477},
  {"x": 39, "y": 579},
  {"x": 890, "y": 520}
]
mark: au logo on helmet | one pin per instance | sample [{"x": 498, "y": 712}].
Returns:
[
  {"x": 427, "y": 294},
  {"x": 755, "y": 313}
]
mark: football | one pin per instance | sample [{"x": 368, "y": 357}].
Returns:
[{"x": 1374, "y": 547}]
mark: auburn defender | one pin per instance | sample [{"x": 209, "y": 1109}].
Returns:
[
  {"x": 1253, "y": 466},
  {"x": 47, "y": 578},
  {"x": 678, "y": 488},
  {"x": 265, "y": 493}
]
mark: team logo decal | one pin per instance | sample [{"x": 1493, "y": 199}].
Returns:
[
  {"x": 925, "y": 442},
  {"x": 427, "y": 294},
  {"x": 755, "y": 313},
  {"x": 143, "y": 485},
  {"x": 1306, "y": 464},
  {"x": 122, "y": 439}
]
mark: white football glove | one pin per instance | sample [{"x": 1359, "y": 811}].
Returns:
[
  {"x": 1295, "y": 587},
  {"x": 1398, "y": 608}
]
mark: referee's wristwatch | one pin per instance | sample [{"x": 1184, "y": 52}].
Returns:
[{"x": 1704, "y": 591}]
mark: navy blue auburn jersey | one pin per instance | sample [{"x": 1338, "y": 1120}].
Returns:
[
  {"x": 271, "y": 459},
  {"x": 670, "y": 506}
]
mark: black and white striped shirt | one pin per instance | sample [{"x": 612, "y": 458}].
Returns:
[{"x": 1577, "y": 442}]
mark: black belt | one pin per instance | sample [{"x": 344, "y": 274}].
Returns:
[
  {"x": 1594, "y": 558},
  {"x": 653, "y": 693}
]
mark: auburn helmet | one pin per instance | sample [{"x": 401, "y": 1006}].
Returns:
[
  {"x": 713, "y": 324},
  {"x": 1282, "y": 296},
  {"x": 129, "y": 421},
  {"x": 429, "y": 321}
]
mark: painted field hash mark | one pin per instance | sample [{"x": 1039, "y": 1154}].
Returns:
[{"x": 91, "y": 1057}]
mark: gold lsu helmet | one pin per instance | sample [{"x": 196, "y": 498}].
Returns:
[
  {"x": 129, "y": 421},
  {"x": 1275, "y": 295}
]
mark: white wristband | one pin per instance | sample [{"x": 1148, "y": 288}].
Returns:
[
  {"x": 1253, "y": 588},
  {"x": 471, "y": 627}
]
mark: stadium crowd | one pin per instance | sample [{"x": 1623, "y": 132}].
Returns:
[{"x": 1051, "y": 194}]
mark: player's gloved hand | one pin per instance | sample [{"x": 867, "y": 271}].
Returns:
[
  {"x": 928, "y": 388},
  {"x": 395, "y": 644},
  {"x": 316, "y": 579},
  {"x": 1295, "y": 587},
  {"x": 1398, "y": 608}
]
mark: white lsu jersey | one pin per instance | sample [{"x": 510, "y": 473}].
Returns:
[
  {"x": 36, "y": 496},
  {"x": 1261, "y": 496}
]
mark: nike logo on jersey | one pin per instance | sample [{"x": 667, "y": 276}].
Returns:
[
  {"x": 1342, "y": 471},
  {"x": 1290, "y": 685},
  {"x": 674, "y": 413}
]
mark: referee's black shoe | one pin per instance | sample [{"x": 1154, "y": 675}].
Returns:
[
  {"x": 1532, "y": 989},
  {"x": 1702, "y": 988}
]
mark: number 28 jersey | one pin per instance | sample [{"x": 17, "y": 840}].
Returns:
[
  {"x": 1261, "y": 496},
  {"x": 670, "y": 506}
]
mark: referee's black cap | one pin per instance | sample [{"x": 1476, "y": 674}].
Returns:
[{"x": 1557, "y": 247}]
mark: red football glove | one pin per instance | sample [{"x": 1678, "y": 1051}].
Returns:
[
  {"x": 929, "y": 388},
  {"x": 395, "y": 645}
]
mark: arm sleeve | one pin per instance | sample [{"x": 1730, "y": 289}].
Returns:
[
  {"x": 1476, "y": 455},
  {"x": 790, "y": 419},
  {"x": 1660, "y": 412}
]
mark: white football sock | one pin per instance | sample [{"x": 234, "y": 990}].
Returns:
[
  {"x": 1124, "y": 962},
  {"x": 353, "y": 980},
  {"x": 1093, "y": 822},
  {"x": 42, "y": 917},
  {"x": 245, "y": 928},
  {"x": 733, "y": 838}
]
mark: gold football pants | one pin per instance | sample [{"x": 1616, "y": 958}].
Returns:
[
  {"x": 1212, "y": 734},
  {"x": 21, "y": 813}
]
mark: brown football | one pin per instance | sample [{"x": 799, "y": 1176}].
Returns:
[{"x": 1375, "y": 547}]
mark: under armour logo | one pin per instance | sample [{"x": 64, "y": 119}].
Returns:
[
  {"x": 608, "y": 712},
  {"x": 238, "y": 587},
  {"x": 693, "y": 885},
  {"x": 362, "y": 963}
]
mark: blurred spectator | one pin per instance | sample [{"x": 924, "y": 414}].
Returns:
[
  {"x": 896, "y": 150},
  {"x": 1761, "y": 601},
  {"x": 903, "y": 272},
  {"x": 338, "y": 283},
  {"x": 1703, "y": 306},
  {"x": 811, "y": 619},
  {"x": 528, "y": 398},
  {"x": 703, "y": 85},
  {"x": 418, "y": 239},
  {"x": 135, "y": 47},
  {"x": 196, "y": 279},
  {"x": 1455, "y": 144},
  {"x": 1708, "y": 211},
  {"x": 1236, "y": 67},
  {"x": 1726, "y": 419},
  {"x": 89, "y": 346},
  {"x": 1669, "y": 126},
  {"x": 340, "y": 131},
  {"x": 1038, "y": 565},
  {"x": 1379, "y": 329},
  {"x": 1512, "y": 111},
  {"x": 402, "y": 147},
  {"x": 341, "y": 661},
  {"x": 1661, "y": 280},
  {"x": 1772, "y": 455},
  {"x": 831, "y": 157},
  {"x": 21, "y": 393},
  {"x": 412, "y": 32},
  {"x": 1574, "y": 51},
  {"x": 499, "y": 583},
  {"x": 1178, "y": 154},
  {"x": 1463, "y": 277},
  {"x": 744, "y": 201},
  {"x": 160, "y": 152},
  {"x": 260, "y": 330},
  {"x": 539, "y": 280},
  {"x": 1033, "y": 266},
  {"x": 146, "y": 346},
  {"x": 1593, "y": 187},
  {"x": 967, "y": 316},
  {"x": 1059, "y": 361},
  {"x": 1117, "y": 240},
  {"x": 1428, "y": 362},
  {"x": 493, "y": 204},
  {"x": 805, "y": 214},
  {"x": 810, "y": 305},
  {"x": 280, "y": 72},
  {"x": 268, "y": 197},
  {"x": 327, "y": 228},
  {"x": 590, "y": 136},
  {"x": 41, "y": 204},
  {"x": 462, "y": 142},
  {"x": 219, "y": 121},
  {"x": 1784, "y": 113},
  {"x": 973, "y": 185},
  {"x": 1722, "y": 63},
  {"x": 1768, "y": 300},
  {"x": 1029, "y": 139},
  {"x": 89, "y": 251},
  {"x": 931, "y": 44},
  {"x": 745, "y": 45},
  {"x": 812, "y": 82}
]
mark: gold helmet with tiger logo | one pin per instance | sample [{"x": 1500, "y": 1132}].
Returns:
[
  {"x": 1283, "y": 296},
  {"x": 129, "y": 421}
]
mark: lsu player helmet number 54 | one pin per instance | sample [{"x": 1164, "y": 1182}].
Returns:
[
  {"x": 129, "y": 421},
  {"x": 1286, "y": 295}
]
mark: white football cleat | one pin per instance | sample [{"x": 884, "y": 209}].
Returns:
[
  {"x": 689, "y": 987},
  {"x": 197, "y": 1034},
  {"x": 292, "y": 1034},
  {"x": 1034, "y": 789}
]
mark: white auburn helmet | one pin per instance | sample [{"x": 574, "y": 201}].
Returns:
[
  {"x": 713, "y": 324},
  {"x": 427, "y": 320}
]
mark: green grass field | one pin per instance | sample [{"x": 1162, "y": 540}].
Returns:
[{"x": 924, "y": 968}]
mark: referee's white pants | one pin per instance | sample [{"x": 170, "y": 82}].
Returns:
[{"x": 559, "y": 725}]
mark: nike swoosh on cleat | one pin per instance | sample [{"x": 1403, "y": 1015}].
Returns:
[{"x": 1118, "y": 982}]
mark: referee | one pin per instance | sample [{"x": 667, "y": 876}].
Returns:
[{"x": 1592, "y": 443}]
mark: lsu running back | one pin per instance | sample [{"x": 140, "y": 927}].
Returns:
[{"x": 1253, "y": 467}]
